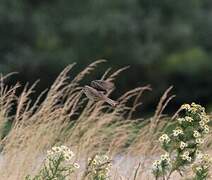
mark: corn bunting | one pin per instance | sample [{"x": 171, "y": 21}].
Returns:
[{"x": 95, "y": 95}]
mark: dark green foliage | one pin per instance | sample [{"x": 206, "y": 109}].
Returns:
[
  {"x": 165, "y": 42},
  {"x": 6, "y": 128}
]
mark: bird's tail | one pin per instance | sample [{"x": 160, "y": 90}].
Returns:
[{"x": 111, "y": 102}]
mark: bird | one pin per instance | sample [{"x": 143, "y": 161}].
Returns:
[
  {"x": 104, "y": 86},
  {"x": 95, "y": 95}
]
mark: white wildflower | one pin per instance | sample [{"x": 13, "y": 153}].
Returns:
[
  {"x": 56, "y": 149},
  {"x": 156, "y": 164},
  {"x": 64, "y": 148},
  {"x": 196, "y": 134},
  {"x": 70, "y": 153},
  {"x": 67, "y": 157},
  {"x": 183, "y": 145},
  {"x": 176, "y": 132},
  {"x": 185, "y": 156},
  {"x": 202, "y": 123},
  {"x": 189, "y": 159},
  {"x": 193, "y": 110},
  {"x": 205, "y": 118},
  {"x": 63, "y": 151},
  {"x": 199, "y": 154},
  {"x": 199, "y": 141},
  {"x": 76, "y": 165},
  {"x": 189, "y": 119},
  {"x": 186, "y": 153},
  {"x": 206, "y": 129},
  {"x": 164, "y": 157},
  {"x": 185, "y": 106},
  {"x": 164, "y": 138},
  {"x": 180, "y": 120},
  {"x": 206, "y": 158},
  {"x": 199, "y": 169},
  {"x": 105, "y": 157},
  {"x": 50, "y": 153}
]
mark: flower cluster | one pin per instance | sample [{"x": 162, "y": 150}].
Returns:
[
  {"x": 99, "y": 167},
  {"x": 164, "y": 138},
  {"x": 156, "y": 165},
  {"x": 177, "y": 132},
  {"x": 183, "y": 145},
  {"x": 162, "y": 165},
  {"x": 185, "y": 156},
  {"x": 196, "y": 134},
  {"x": 206, "y": 129},
  {"x": 193, "y": 108},
  {"x": 185, "y": 106},
  {"x": 202, "y": 124},
  {"x": 205, "y": 118},
  {"x": 60, "y": 151},
  {"x": 181, "y": 120},
  {"x": 182, "y": 140},
  {"x": 198, "y": 119},
  {"x": 57, "y": 164},
  {"x": 199, "y": 141},
  {"x": 189, "y": 119},
  {"x": 165, "y": 157},
  {"x": 201, "y": 166}
]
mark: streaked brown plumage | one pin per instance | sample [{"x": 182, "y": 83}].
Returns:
[
  {"x": 101, "y": 85},
  {"x": 96, "y": 95}
]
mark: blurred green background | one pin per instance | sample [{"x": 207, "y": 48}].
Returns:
[{"x": 165, "y": 42}]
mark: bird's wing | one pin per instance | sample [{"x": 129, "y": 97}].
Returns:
[
  {"x": 92, "y": 93},
  {"x": 102, "y": 85}
]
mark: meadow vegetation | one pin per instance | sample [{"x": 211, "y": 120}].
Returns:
[{"x": 62, "y": 120}]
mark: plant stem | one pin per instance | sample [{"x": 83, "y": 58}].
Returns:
[
  {"x": 56, "y": 167},
  {"x": 136, "y": 172},
  {"x": 169, "y": 175}
]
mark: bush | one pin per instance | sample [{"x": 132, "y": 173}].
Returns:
[
  {"x": 183, "y": 145},
  {"x": 57, "y": 165}
]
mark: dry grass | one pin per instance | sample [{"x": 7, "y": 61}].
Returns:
[{"x": 66, "y": 117}]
